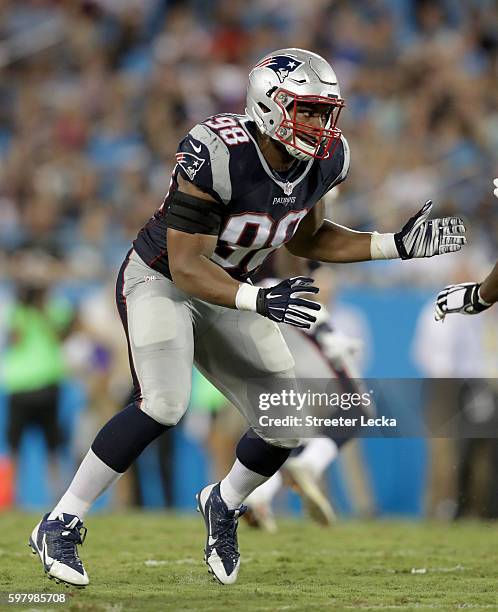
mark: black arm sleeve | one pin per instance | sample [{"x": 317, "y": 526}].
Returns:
[{"x": 193, "y": 215}]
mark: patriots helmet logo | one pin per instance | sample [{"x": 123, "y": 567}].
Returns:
[
  {"x": 190, "y": 163},
  {"x": 282, "y": 65}
]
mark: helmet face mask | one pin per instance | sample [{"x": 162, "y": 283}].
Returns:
[
  {"x": 285, "y": 88},
  {"x": 301, "y": 139}
]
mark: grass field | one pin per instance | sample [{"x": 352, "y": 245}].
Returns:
[{"x": 149, "y": 562}]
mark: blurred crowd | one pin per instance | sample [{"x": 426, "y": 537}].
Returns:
[
  {"x": 95, "y": 95},
  {"x": 94, "y": 98}
]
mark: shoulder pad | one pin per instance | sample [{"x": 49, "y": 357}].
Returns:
[
  {"x": 335, "y": 169},
  {"x": 346, "y": 157},
  {"x": 203, "y": 159}
]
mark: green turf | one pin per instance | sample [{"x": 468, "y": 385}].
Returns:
[{"x": 365, "y": 565}]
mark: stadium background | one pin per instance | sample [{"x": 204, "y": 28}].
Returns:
[{"x": 94, "y": 97}]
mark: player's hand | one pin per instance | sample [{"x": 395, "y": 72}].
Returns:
[
  {"x": 463, "y": 298},
  {"x": 421, "y": 237},
  {"x": 282, "y": 304}
]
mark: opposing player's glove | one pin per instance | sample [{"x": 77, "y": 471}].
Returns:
[
  {"x": 336, "y": 346},
  {"x": 420, "y": 237},
  {"x": 463, "y": 298},
  {"x": 280, "y": 303}
]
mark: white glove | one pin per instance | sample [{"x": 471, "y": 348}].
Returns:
[
  {"x": 337, "y": 346},
  {"x": 463, "y": 298}
]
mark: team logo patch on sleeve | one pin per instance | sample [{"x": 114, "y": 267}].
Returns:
[
  {"x": 282, "y": 65},
  {"x": 190, "y": 163}
]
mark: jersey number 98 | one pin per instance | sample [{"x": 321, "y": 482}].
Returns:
[{"x": 228, "y": 130}]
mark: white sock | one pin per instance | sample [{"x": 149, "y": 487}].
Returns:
[
  {"x": 265, "y": 493},
  {"x": 238, "y": 483},
  {"x": 317, "y": 455},
  {"x": 92, "y": 478}
]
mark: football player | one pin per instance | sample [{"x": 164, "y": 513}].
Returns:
[
  {"x": 320, "y": 352},
  {"x": 469, "y": 298},
  {"x": 242, "y": 186}
]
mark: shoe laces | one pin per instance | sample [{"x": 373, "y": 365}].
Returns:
[
  {"x": 67, "y": 544},
  {"x": 227, "y": 533}
]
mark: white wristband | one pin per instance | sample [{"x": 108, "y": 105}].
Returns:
[
  {"x": 382, "y": 246},
  {"x": 246, "y": 297}
]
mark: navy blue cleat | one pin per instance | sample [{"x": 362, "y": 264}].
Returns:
[
  {"x": 55, "y": 543},
  {"x": 222, "y": 550}
]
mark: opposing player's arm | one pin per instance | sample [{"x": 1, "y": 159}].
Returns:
[
  {"x": 468, "y": 298},
  {"x": 489, "y": 286},
  {"x": 319, "y": 238},
  {"x": 191, "y": 242},
  {"x": 488, "y": 291},
  {"x": 189, "y": 255}
]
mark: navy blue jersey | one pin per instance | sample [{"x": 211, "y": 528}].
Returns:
[{"x": 261, "y": 209}]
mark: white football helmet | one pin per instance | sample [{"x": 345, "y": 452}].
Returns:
[{"x": 282, "y": 81}]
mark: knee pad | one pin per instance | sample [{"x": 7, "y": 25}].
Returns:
[{"x": 165, "y": 406}]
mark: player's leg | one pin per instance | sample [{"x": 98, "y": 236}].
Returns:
[
  {"x": 260, "y": 504},
  {"x": 304, "y": 473},
  {"x": 158, "y": 326},
  {"x": 247, "y": 347},
  {"x": 307, "y": 464},
  {"x": 230, "y": 348}
]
